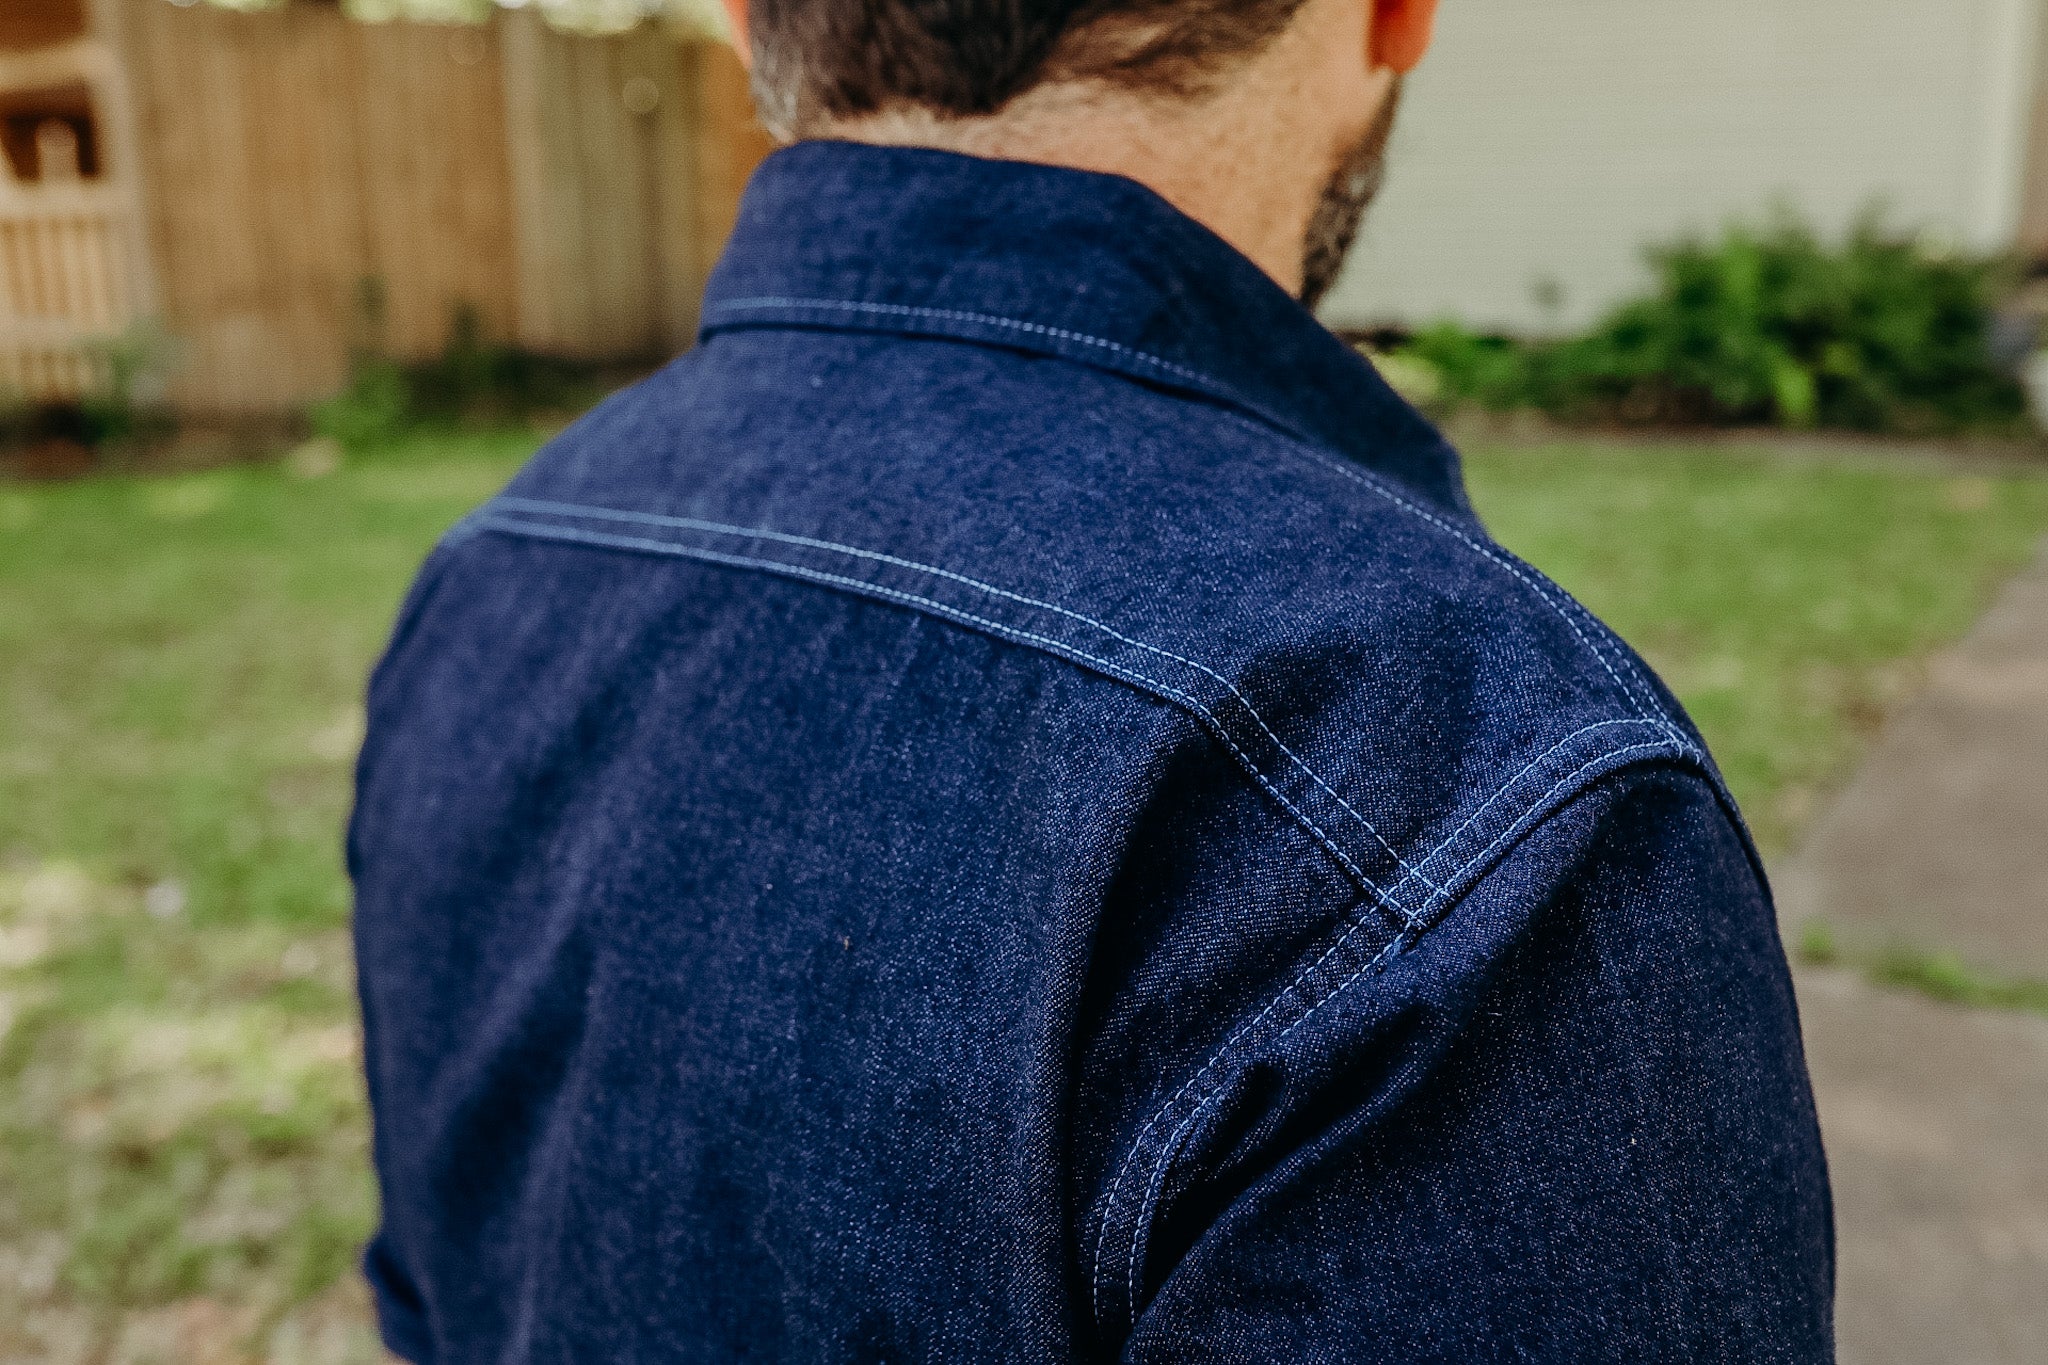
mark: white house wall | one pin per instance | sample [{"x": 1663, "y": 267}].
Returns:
[{"x": 1550, "y": 140}]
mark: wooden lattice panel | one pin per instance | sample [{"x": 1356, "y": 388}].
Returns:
[{"x": 65, "y": 286}]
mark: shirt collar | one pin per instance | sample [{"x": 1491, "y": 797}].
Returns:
[{"x": 1046, "y": 259}]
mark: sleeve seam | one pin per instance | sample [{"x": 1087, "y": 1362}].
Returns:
[{"x": 1211, "y": 1079}]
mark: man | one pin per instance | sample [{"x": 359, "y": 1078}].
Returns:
[{"x": 1005, "y": 808}]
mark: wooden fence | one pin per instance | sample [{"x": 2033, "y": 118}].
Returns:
[
  {"x": 293, "y": 166},
  {"x": 66, "y": 285},
  {"x": 73, "y": 274}
]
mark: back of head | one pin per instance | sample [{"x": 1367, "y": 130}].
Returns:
[{"x": 817, "y": 62}]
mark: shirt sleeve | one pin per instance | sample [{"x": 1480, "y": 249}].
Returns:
[{"x": 1583, "y": 1131}]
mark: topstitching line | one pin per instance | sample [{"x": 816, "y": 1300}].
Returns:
[
  {"x": 1062, "y": 647},
  {"x": 965, "y": 315},
  {"x": 1672, "y": 741},
  {"x": 808, "y": 542},
  {"x": 1534, "y": 584},
  {"x": 1045, "y": 642},
  {"x": 1154, "y": 1185},
  {"x": 1684, "y": 745},
  {"x": 1644, "y": 702}
]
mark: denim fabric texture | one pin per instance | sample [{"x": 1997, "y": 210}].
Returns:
[{"x": 1005, "y": 808}]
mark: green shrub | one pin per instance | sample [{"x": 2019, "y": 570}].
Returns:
[
  {"x": 16, "y": 416},
  {"x": 473, "y": 383},
  {"x": 1880, "y": 333},
  {"x": 120, "y": 409},
  {"x": 125, "y": 405},
  {"x": 376, "y": 406}
]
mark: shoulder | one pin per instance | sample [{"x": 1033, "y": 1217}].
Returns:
[{"x": 1404, "y": 689}]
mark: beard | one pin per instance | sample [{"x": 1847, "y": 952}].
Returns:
[{"x": 1334, "y": 225}]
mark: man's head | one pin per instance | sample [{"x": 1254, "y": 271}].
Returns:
[
  {"x": 1266, "y": 119},
  {"x": 834, "y": 60}
]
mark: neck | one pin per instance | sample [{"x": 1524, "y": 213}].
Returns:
[{"x": 1249, "y": 161}]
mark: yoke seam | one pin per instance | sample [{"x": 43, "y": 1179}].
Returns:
[
  {"x": 1410, "y": 871},
  {"x": 1016, "y": 635}
]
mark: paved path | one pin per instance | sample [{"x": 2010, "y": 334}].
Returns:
[
  {"x": 1941, "y": 841},
  {"x": 1936, "y": 1118}
]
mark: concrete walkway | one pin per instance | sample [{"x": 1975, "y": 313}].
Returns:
[
  {"x": 1936, "y": 1121},
  {"x": 1936, "y": 1117},
  {"x": 1941, "y": 841}
]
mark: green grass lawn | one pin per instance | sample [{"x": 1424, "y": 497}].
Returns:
[
  {"x": 182, "y": 1159},
  {"x": 182, "y": 1155},
  {"x": 1788, "y": 602}
]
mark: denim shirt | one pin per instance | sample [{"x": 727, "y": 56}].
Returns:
[{"x": 1004, "y": 807}]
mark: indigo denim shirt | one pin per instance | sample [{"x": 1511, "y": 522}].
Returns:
[{"x": 1004, "y": 808}]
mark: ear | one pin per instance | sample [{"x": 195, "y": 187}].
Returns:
[
  {"x": 736, "y": 15},
  {"x": 1401, "y": 30}
]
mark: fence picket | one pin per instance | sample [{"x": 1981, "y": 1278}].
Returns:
[{"x": 571, "y": 190}]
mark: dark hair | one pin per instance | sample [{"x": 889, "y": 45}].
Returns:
[{"x": 825, "y": 59}]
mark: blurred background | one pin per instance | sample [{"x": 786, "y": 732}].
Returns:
[{"x": 1736, "y": 310}]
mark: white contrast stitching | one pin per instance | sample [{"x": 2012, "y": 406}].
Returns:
[
  {"x": 1684, "y": 744},
  {"x": 1391, "y": 902},
  {"x": 1375, "y": 485},
  {"x": 901, "y": 310},
  {"x": 1159, "y": 1169},
  {"x": 808, "y": 542},
  {"x": 1013, "y": 633},
  {"x": 1644, "y": 702},
  {"x": 1165, "y": 1156},
  {"x": 1137, "y": 1143}
]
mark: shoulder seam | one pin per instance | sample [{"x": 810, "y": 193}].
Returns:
[{"x": 1568, "y": 610}]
